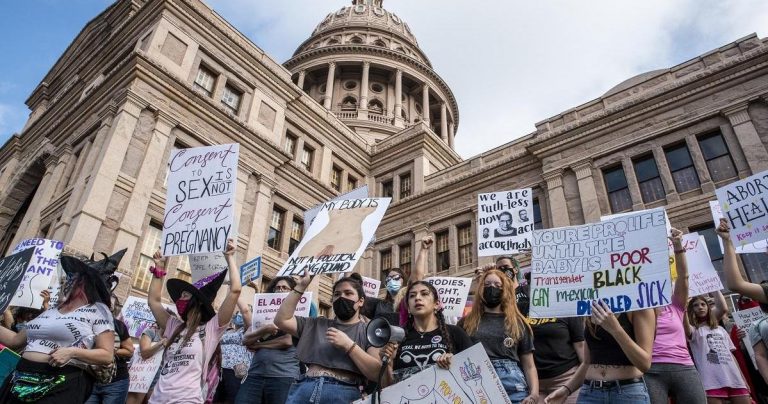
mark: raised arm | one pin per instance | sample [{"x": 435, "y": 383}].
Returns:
[
  {"x": 285, "y": 319},
  {"x": 420, "y": 269},
  {"x": 680, "y": 294},
  {"x": 154, "y": 297},
  {"x": 227, "y": 308},
  {"x": 721, "y": 308},
  {"x": 733, "y": 279},
  {"x": 245, "y": 310}
]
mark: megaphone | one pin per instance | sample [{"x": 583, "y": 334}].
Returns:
[{"x": 379, "y": 332}]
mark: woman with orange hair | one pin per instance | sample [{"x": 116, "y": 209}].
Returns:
[{"x": 496, "y": 322}]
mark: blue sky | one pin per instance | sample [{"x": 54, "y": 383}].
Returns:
[{"x": 510, "y": 64}]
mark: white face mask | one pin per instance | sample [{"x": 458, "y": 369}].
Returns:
[{"x": 393, "y": 286}]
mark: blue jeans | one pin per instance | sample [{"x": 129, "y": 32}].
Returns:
[
  {"x": 635, "y": 393},
  {"x": 112, "y": 393},
  {"x": 322, "y": 390},
  {"x": 512, "y": 378},
  {"x": 257, "y": 390}
]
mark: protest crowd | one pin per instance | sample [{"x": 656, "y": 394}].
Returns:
[{"x": 612, "y": 312}]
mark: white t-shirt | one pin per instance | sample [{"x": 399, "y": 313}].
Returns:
[
  {"x": 712, "y": 353},
  {"x": 79, "y": 328}
]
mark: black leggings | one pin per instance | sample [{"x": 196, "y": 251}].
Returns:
[{"x": 76, "y": 389}]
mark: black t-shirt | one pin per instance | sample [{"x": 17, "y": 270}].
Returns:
[
  {"x": 523, "y": 300},
  {"x": 554, "y": 344},
  {"x": 419, "y": 351},
  {"x": 491, "y": 332},
  {"x": 375, "y": 307},
  {"x": 121, "y": 364}
]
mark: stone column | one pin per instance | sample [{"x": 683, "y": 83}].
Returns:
[
  {"x": 444, "y": 122},
  {"x": 399, "y": 99},
  {"x": 362, "y": 109},
  {"x": 587, "y": 193},
  {"x": 329, "y": 85},
  {"x": 665, "y": 174},
  {"x": 451, "y": 135},
  {"x": 300, "y": 81},
  {"x": 700, "y": 164},
  {"x": 556, "y": 193},
  {"x": 749, "y": 140},
  {"x": 425, "y": 104},
  {"x": 326, "y": 165},
  {"x": 634, "y": 188},
  {"x": 261, "y": 216},
  {"x": 30, "y": 224}
]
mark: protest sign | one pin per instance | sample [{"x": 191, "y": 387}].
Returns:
[
  {"x": 453, "y": 293},
  {"x": 137, "y": 316},
  {"x": 40, "y": 271},
  {"x": 672, "y": 263},
  {"x": 371, "y": 286},
  {"x": 250, "y": 271},
  {"x": 143, "y": 371},
  {"x": 337, "y": 237},
  {"x": 623, "y": 261},
  {"x": 266, "y": 305},
  {"x": 744, "y": 320},
  {"x": 471, "y": 378},
  {"x": 756, "y": 247},
  {"x": 199, "y": 206},
  {"x": 357, "y": 193},
  {"x": 8, "y": 362},
  {"x": 203, "y": 266},
  {"x": 504, "y": 222},
  {"x": 744, "y": 204},
  {"x": 702, "y": 276},
  {"x": 12, "y": 269}
]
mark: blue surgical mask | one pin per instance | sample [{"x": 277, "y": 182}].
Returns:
[
  {"x": 393, "y": 286},
  {"x": 238, "y": 320}
]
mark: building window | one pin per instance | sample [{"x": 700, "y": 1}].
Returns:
[
  {"x": 275, "y": 228},
  {"x": 537, "y": 222},
  {"x": 336, "y": 178},
  {"x": 231, "y": 99},
  {"x": 681, "y": 166},
  {"x": 307, "y": 155},
  {"x": 204, "y": 81},
  {"x": 719, "y": 162},
  {"x": 618, "y": 190},
  {"x": 351, "y": 183},
  {"x": 387, "y": 190},
  {"x": 290, "y": 144},
  {"x": 386, "y": 261},
  {"x": 465, "y": 244},
  {"x": 648, "y": 178},
  {"x": 443, "y": 252},
  {"x": 152, "y": 237},
  {"x": 405, "y": 185},
  {"x": 297, "y": 232},
  {"x": 405, "y": 258}
]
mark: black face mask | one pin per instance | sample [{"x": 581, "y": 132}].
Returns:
[
  {"x": 344, "y": 308},
  {"x": 492, "y": 296}
]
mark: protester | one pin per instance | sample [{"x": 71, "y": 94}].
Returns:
[
  {"x": 18, "y": 318},
  {"x": 428, "y": 339},
  {"x": 337, "y": 352},
  {"x": 495, "y": 322},
  {"x": 235, "y": 358},
  {"x": 672, "y": 372},
  {"x": 757, "y": 387},
  {"x": 274, "y": 366},
  {"x": 116, "y": 391},
  {"x": 150, "y": 343},
  {"x": 60, "y": 343},
  {"x": 559, "y": 354},
  {"x": 184, "y": 375}
]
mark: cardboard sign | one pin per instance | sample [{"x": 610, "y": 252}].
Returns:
[
  {"x": 744, "y": 320},
  {"x": 745, "y": 205},
  {"x": 203, "y": 266},
  {"x": 623, "y": 261},
  {"x": 137, "y": 316},
  {"x": 757, "y": 247},
  {"x": 672, "y": 263},
  {"x": 453, "y": 293},
  {"x": 266, "y": 305},
  {"x": 371, "y": 287},
  {"x": 471, "y": 378},
  {"x": 357, "y": 193},
  {"x": 12, "y": 269},
  {"x": 199, "y": 206},
  {"x": 504, "y": 222},
  {"x": 702, "y": 276},
  {"x": 250, "y": 271},
  {"x": 142, "y": 371},
  {"x": 337, "y": 237},
  {"x": 40, "y": 272}
]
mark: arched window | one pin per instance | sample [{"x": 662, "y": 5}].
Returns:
[
  {"x": 376, "y": 106},
  {"x": 349, "y": 102},
  {"x": 333, "y": 41},
  {"x": 380, "y": 43},
  {"x": 356, "y": 39}
]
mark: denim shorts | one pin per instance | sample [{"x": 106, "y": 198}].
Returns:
[
  {"x": 635, "y": 393},
  {"x": 512, "y": 378},
  {"x": 322, "y": 390}
]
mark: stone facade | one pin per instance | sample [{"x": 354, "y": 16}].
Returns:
[{"x": 358, "y": 103}]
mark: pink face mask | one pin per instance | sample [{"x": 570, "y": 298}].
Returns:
[{"x": 181, "y": 306}]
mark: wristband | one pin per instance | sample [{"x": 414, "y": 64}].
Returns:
[
  {"x": 569, "y": 389},
  {"x": 300, "y": 292},
  {"x": 680, "y": 251},
  {"x": 159, "y": 273},
  {"x": 354, "y": 344}
]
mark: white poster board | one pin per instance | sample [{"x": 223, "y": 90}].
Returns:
[
  {"x": 337, "y": 237},
  {"x": 357, "y": 193},
  {"x": 756, "y": 247},
  {"x": 206, "y": 266},
  {"x": 266, "y": 305},
  {"x": 504, "y": 222},
  {"x": 471, "y": 378},
  {"x": 142, "y": 372},
  {"x": 744, "y": 320},
  {"x": 371, "y": 286},
  {"x": 137, "y": 316},
  {"x": 623, "y": 261},
  {"x": 199, "y": 205},
  {"x": 672, "y": 264},
  {"x": 702, "y": 276},
  {"x": 453, "y": 293},
  {"x": 40, "y": 271},
  {"x": 745, "y": 205}
]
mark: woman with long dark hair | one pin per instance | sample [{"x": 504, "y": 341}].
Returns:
[
  {"x": 192, "y": 341},
  {"x": 496, "y": 322},
  {"x": 63, "y": 341}
]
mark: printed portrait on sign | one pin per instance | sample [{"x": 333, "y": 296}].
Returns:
[{"x": 506, "y": 226}]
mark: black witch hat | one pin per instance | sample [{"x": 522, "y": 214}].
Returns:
[
  {"x": 204, "y": 291},
  {"x": 101, "y": 273}
]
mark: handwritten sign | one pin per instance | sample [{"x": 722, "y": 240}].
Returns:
[
  {"x": 702, "y": 276},
  {"x": 745, "y": 205},
  {"x": 337, "y": 237},
  {"x": 744, "y": 320},
  {"x": 250, "y": 271},
  {"x": 453, "y": 293},
  {"x": 672, "y": 263},
  {"x": 471, "y": 378},
  {"x": 12, "y": 269},
  {"x": 371, "y": 286},
  {"x": 40, "y": 272},
  {"x": 357, "y": 193},
  {"x": 623, "y": 261},
  {"x": 143, "y": 371},
  {"x": 504, "y": 222},
  {"x": 137, "y": 316},
  {"x": 199, "y": 206},
  {"x": 204, "y": 266},
  {"x": 758, "y": 247},
  {"x": 266, "y": 305}
]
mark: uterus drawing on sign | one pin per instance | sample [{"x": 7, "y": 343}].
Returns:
[{"x": 343, "y": 234}]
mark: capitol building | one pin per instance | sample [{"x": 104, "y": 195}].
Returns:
[{"x": 358, "y": 103}]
